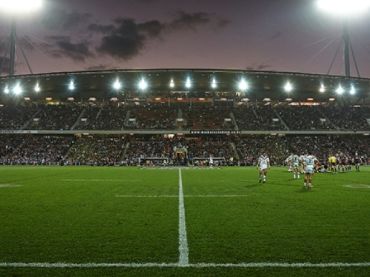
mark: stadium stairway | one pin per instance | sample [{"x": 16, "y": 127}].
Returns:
[
  {"x": 30, "y": 120},
  {"x": 233, "y": 147},
  {"x": 281, "y": 120},
  {"x": 232, "y": 116},
  {"x": 124, "y": 152},
  {"x": 328, "y": 120},
  {"x": 78, "y": 119}
]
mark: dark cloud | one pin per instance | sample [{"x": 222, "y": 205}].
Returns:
[
  {"x": 125, "y": 41},
  {"x": 62, "y": 46},
  {"x": 61, "y": 19},
  {"x": 190, "y": 20},
  {"x": 125, "y": 38},
  {"x": 100, "y": 28}
]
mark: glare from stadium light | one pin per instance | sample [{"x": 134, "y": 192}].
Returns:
[
  {"x": 352, "y": 91},
  {"x": 71, "y": 85},
  {"x": 188, "y": 83},
  {"x": 172, "y": 83},
  {"x": 6, "y": 89},
  {"x": 15, "y": 7},
  {"x": 322, "y": 88},
  {"x": 117, "y": 85},
  {"x": 37, "y": 88},
  {"x": 17, "y": 90},
  {"x": 143, "y": 85},
  {"x": 344, "y": 8},
  {"x": 214, "y": 83},
  {"x": 288, "y": 87},
  {"x": 339, "y": 90},
  {"x": 243, "y": 85}
]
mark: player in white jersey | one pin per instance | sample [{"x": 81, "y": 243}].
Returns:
[
  {"x": 294, "y": 161},
  {"x": 309, "y": 162},
  {"x": 288, "y": 162},
  {"x": 263, "y": 165},
  {"x": 211, "y": 161}
]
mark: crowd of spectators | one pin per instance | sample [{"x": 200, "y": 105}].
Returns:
[
  {"x": 159, "y": 116},
  {"x": 348, "y": 118},
  {"x": 191, "y": 150},
  {"x": 55, "y": 117},
  {"x": 304, "y": 118},
  {"x": 207, "y": 117},
  {"x": 102, "y": 150},
  {"x": 34, "y": 149},
  {"x": 257, "y": 117},
  {"x": 195, "y": 116},
  {"x": 15, "y": 117}
]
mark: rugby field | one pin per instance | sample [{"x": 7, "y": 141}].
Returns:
[{"x": 96, "y": 221}]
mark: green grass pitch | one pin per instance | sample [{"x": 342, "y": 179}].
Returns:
[{"x": 131, "y": 215}]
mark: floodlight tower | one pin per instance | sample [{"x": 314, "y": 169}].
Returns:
[
  {"x": 15, "y": 8},
  {"x": 345, "y": 9}
]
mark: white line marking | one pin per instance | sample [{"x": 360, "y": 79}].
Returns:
[
  {"x": 99, "y": 180},
  {"x": 183, "y": 238},
  {"x": 185, "y": 196},
  {"x": 9, "y": 186},
  {"x": 357, "y": 186},
  {"x": 175, "y": 265}
]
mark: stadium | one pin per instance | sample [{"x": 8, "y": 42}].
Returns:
[{"x": 158, "y": 172}]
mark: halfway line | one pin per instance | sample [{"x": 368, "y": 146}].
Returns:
[{"x": 183, "y": 238}]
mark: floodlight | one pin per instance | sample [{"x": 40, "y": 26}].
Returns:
[
  {"x": 172, "y": 83},
  {"x": 288, "y": 87},
  {"x": 20, "y": 6},
  {"x": 6, "y": 89},
  {"x": 143, "y": 85},
  {"x": 344, "y": 8},
  {"x": 322, "y": 88},
  {"x": 352, "y": 91},
  {"x": 71, "y": 85},
  {"x": 117, "y": 85},
  {"x": 243, "y": 85},
  {"x": 37, "y": 88},
  {"x": 17, "y": 90},
  {"x": 339, "y": 90},
  {"x": 214, "y": 83},
  {"x": 188, "y": 83}
]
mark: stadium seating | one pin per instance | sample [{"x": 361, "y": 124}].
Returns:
[{"x": 196, "y": 116}]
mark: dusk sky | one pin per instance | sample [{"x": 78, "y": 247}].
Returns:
[{"x": 278, "y": 35}]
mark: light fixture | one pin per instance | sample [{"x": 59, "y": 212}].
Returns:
[
  {"x": 339, "y": 90},
  {"x": 6, "y": 89},
  {"x": 71, "y": 85},
  {"x": 213, "y": 83},
  {"x": 37, "y": 88},
  {"x": 172, "y": 83},
  {"x": 352, "y": 91},
  {"x": 344, "y": 8},
  {"x": 117, "y": 85},
  {"x": 17, "y": 90},
  {"x": 188, "y": 83},
  {"x": 20, "y": 6},
  {"x": 322, "y": 88},
  {"x": 288, "y": 87},
  {"x": 143, "y": 85},
  {"x": 243, "y": 85}
]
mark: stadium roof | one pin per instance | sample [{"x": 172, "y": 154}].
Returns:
[{"x": 189, "y": 82}]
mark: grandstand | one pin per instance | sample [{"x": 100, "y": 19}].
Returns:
[{"x": 85, "y": 118}]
